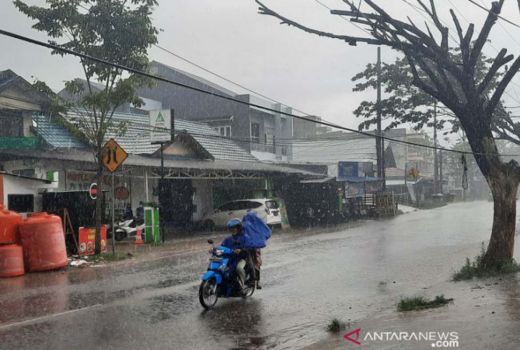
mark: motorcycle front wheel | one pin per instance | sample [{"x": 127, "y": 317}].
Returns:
[{"x": 208, "y": 293}]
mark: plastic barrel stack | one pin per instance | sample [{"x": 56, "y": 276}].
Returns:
[
  {"x": 11, "y": 253},
  {"x": 43, "y": 242}
]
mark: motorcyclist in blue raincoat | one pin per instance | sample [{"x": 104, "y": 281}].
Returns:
[
  {"x": 248, "y": 237},
  {"x": 237, "y": 243}
]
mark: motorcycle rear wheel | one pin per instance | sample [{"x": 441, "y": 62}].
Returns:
[
  {"x": 249, "y": 289},
  {"x": 120, "y": 235},
  {"x": 208, "y": 293}
]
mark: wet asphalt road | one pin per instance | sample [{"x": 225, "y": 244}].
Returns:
[{"x": 308, "y": 279}]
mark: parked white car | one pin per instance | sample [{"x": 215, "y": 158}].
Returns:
[{"x": 266, "y": 209}]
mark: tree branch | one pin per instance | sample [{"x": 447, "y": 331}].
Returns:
[
  {"x": 432, "y": 12},
  {"x": 496, "y": 8},
  {"x": 499, "y": 61},
  {"x": 351, "y": 40},
  {"x": 499, "y": 91}
]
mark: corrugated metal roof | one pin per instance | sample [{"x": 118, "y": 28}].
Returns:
[
  {"x": 136, "y": 139},
  {"x": 146, "y": 161},
  {"x": 55, "y": 135},
  {"x": 220, "y": 147},
  {"x": 332, "y": 151}
]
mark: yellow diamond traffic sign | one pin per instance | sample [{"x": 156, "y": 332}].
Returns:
[{"x": 113, "y": 155}]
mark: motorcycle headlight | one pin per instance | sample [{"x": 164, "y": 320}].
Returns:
[{"x": 219, "y": 252}]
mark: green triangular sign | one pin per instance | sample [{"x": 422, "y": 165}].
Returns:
[{"x": 160, "y": 118}]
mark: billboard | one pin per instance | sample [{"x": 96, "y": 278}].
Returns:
[
  {"x": 354, "y": 170},
  {"x": 161, "y": 125}
]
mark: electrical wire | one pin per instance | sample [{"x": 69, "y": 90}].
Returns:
[
  {"x": 493, "y": 46},
  {"x": 500, "y": 17},
  {"x": 222, "y": 96},
  {"x": 139, "y": 127}
]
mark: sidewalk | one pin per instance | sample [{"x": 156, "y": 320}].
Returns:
[
  {"x": 485, "y": 314},
  {"x": 197, "y": 242}
]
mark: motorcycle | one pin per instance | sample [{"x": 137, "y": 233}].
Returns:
[
  {"x": 221, "y": 281},
  {"x": 128, "y": 228}
]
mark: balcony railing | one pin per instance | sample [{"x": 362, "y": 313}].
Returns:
[{"x": 262, "y": 147}]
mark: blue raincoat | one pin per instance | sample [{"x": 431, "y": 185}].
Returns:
[{"x": 256, "y": 232}]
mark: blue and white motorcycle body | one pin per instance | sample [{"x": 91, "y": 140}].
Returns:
[{"x": 220, "y": 280}]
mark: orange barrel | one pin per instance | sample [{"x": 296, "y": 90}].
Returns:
[
  {"x": 43, "y": 242},
  {"x": 9, "y": 223},
  {"x": 11, "y": 260}
]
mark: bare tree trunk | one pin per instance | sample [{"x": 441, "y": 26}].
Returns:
[
  {"x": 501, "y": 244},
  {"x": 99, "y": 206}
]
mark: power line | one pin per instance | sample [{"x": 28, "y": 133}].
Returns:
[
  {"x": 493, "y": 46},
  {"x": 221, "y": 76},
  {"x": 490, "y": 44},
  {"x": 343, "y": 17},
  {"x": 487, "y": 10},
  {"x": 225, "y": 97},
  {"x": 423, "y": 13}
]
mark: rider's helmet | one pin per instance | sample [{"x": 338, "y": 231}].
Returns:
[{"x": 234, "y": 223}]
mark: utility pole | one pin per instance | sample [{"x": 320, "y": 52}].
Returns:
[
  {"x": 435, "y": 155},
  {"x": 113, "y": 215},
  {"x": 379, "y": 143},
  {"x": 440, "y": 171}
]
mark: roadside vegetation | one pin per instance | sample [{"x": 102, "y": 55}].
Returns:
[
  {"x": 336, "y": 326},
  {"x": 421, "y": 303},
  {"x": 478, "y": 269}
]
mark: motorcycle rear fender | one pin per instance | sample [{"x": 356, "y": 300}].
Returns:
[{"x": 212, "y": 274}]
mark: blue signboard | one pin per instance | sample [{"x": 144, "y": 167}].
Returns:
[{"x": 348, "y": 170}]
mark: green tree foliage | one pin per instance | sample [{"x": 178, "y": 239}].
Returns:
[
  {"x": 456, "y": 80},
  {"x": 403, "y": 102},
  {"x": 118, "y": 31}
]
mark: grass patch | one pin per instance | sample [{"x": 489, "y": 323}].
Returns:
[
  {"x": 336, "y": 326},
  {"x": 476, "y": 268},
  {"x": 421, "y": 303}
]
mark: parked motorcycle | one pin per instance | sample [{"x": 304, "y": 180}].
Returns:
[
  {"x": 221, "y": 281},
  {"x": 128, "y": 228}
]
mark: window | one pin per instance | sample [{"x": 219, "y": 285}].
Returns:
[
  {"x": 225, "y": 207},
  {"x": 25, "y": 172},
  {"x": 269, "y": 135},
  {"x": 271, "y": 204},
  {"x": 255, "y": 132},
  {"x": 21, "y": 203},
  {"x": 11, "y": 126},
  {"x": 250, "y": 205},
  {"x": 224, "y": 130}
]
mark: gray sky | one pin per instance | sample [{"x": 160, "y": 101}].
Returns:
[{"x": 229, "y": 37}]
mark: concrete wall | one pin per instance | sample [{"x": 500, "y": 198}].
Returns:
[
  {"x": 189, "y": 104},
  {"x": 179, "y": 149},
  {"x": 192, "y": 105},
  {"x": 13, "y": 185},
  {"x": 202, "y": 199},
  {"x": 14, "y": 99}
]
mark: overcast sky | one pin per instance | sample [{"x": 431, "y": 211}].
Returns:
[{"x": 229, "y": 37}]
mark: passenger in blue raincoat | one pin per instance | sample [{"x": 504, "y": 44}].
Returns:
[{"x": 257, "y": 233}]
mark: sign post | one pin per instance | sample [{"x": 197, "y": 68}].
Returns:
[
  {"x": 161, "y": 186},
  {"x": 113, "y": 216},
  {"x": 113, "y": 157}
]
